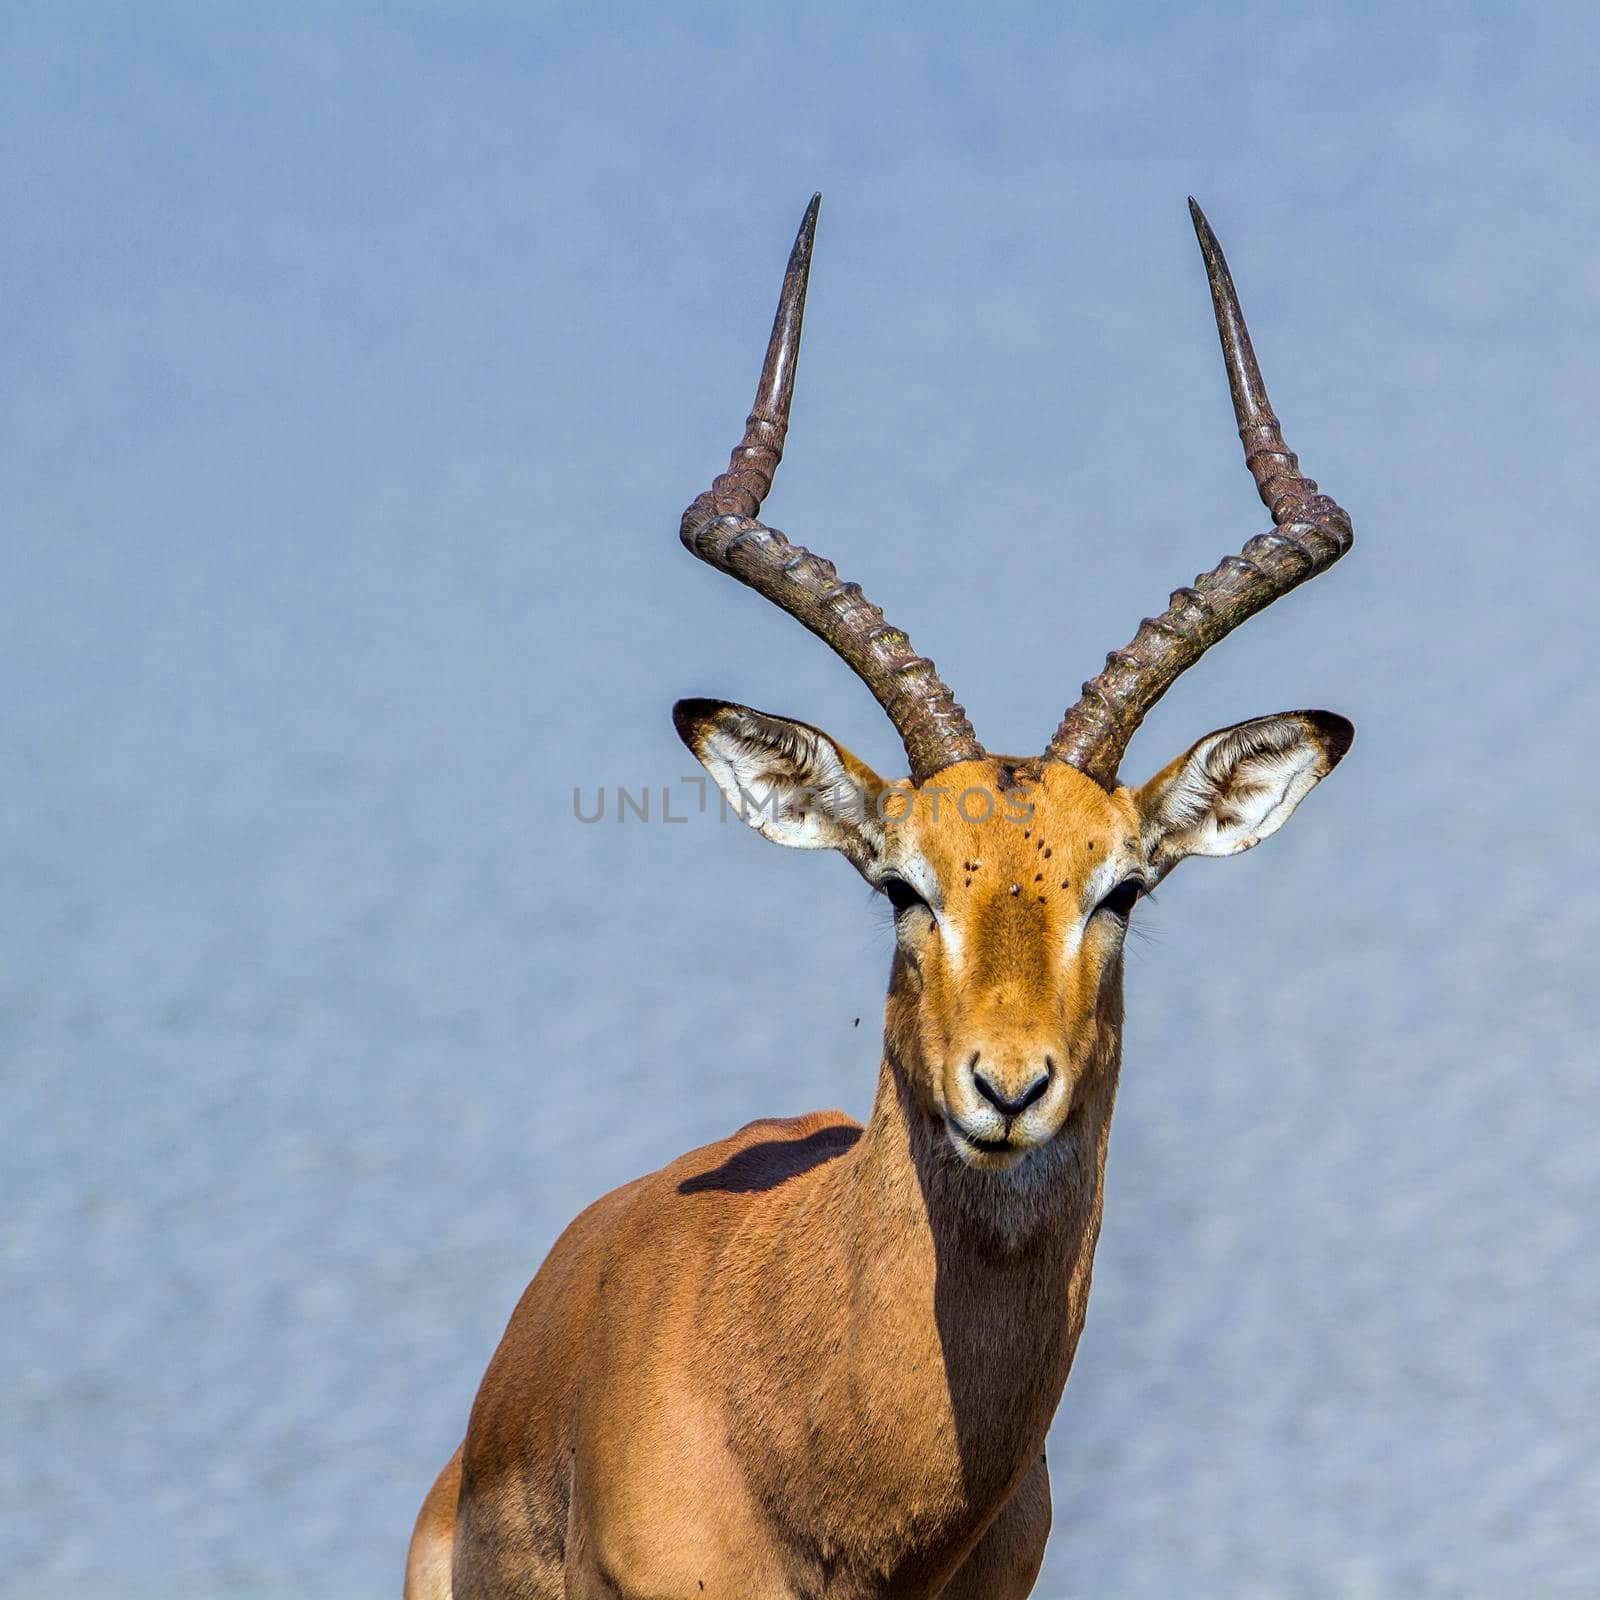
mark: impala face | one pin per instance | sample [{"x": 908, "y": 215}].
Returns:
[
  {"x": 1009, "y": 935},
  {"x": 1012, "y": 884}
]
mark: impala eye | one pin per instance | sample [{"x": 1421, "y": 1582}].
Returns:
[
  {"x": 902, "y": 896},
  {"x": 1120, "y": 901}
]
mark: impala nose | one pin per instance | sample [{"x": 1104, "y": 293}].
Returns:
[{"x": 1009, "y": 1107}]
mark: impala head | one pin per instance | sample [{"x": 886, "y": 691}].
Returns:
[{"x": 1012, "y": 879}]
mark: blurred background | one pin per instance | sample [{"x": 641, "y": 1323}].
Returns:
[{"x": 357, "y": 364}]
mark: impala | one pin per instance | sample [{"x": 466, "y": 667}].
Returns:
[{"x": 818, "y": 1358}]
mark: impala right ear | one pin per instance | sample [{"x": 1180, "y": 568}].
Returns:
[
  {"x": 788, "y": 780},
  {"x": 1237, "y": 786}
]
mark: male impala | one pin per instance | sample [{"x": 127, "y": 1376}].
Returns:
[{"x": 821, "y": 1359}]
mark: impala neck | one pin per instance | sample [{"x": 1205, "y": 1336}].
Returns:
[
  {"x": 1004, "y": 1260},
  {"x": 928, "y": 1311}
]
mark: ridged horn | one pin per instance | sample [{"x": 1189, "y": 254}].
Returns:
[
  {"x": 1310, "y": 532},
  {"x": 721, "y": 529}
]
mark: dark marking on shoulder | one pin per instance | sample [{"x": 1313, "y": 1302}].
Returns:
[{"x": 772, "y": 1162}]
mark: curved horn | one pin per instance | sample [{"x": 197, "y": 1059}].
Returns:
[
  {"x": 721, "y": 529},
  {"x": 1310, "y": 533}
]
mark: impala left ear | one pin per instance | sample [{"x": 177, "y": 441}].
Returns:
[
  {"x": 788, "y": 780},
  {"x": 1238, "y": 785}
]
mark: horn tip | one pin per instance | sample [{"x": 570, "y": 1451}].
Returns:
[
  {"x": 1202, "y": 230},
  {"x": 800, "y": 255}
]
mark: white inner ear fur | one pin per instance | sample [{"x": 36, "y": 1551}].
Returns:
[
  {"x": 790, "y": 783},
  {"x": 1231, "y": 791}
]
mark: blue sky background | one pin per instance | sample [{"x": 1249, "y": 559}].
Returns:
[{"x": 357, "y": 365}]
